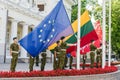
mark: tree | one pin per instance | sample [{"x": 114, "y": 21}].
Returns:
[
  {"x": 75, "y": 10},
  {"x": 96, "y": 9},
  {"x": 116, "y": 26}
]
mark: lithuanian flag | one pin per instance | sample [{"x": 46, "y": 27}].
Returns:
[{"x": 88, "y": 32}]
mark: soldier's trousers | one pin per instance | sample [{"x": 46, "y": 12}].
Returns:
[
  {"x": 55, "y": 64},
  {"x": 83, "y": 66},
  {"x": 31, "y": 63},
  {"x": 61, "y": 60},
  {"x": 66, "y": 60},
  {"x": 37, "y": 60},
  {"x": 14, "y": 61},
  {"x": 43, "y": 62},
  {"x": 92, "y": 59},
  {"x": 71, "y": 60},
  {"x": 98, "y": 61}
]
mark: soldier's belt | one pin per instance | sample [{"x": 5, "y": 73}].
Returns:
[
  {"x": 92, "y": 51},
  {"x": 58, "y": 52},
  {"x": 98, "y": 55},
  {"x": 15, "y": 52},
  {"x": 63, "y": 49}
]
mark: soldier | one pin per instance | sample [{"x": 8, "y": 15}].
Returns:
[
  {"x": 63, "y": 51},
  {"x": 56, "y": 55},
  {"x": 37, "y": 60},
  {"x": 31, "y": 60},
  {"x": 14, "y": 50},
  {"x": 43, "y": 61},
  {"x": 92, "y": 53},
  {"x": 99, "y": 56},
  {"x": 31, "y": 63}
]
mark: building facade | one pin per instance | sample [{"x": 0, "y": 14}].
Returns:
[{"x": 19, "y": 17}]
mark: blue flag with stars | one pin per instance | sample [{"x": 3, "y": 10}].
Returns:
[{"x": 47, "y": 31}]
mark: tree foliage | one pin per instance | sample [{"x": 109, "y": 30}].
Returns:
[
  {"x": 116, "y": 26},
  {"x": 75, "y": 10},
  {"x": 96, "y": 9}
]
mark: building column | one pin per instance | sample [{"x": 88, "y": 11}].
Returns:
[
  {"x": 14, "y": 29},
  {"x": 31, "y": 3},
  {"x": 24, "y": 33},
  {"x": 3, "y": 27}
]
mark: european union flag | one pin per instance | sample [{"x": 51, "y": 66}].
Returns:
[{"x": 47, "y": 31}]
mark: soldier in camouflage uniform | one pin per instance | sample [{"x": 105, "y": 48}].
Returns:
[
  {"x": 99, "y": 56},
  {"x": 43, "y": 60},
  {"x": 92, "y": 53},
  {"x": 31, "y": 63},
  {"x": 57, "y": 51},
  {"x": 14, "y": 50},
  {"x": 63, "y": 53}
]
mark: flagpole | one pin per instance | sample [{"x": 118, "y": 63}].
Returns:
[
  {"x": 109, "y": 60},
  {"x": 78, "y": 35},
  {"x": 104, "y": 34}
]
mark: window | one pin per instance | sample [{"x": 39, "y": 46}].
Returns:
[{"x": 41, "y": 7}]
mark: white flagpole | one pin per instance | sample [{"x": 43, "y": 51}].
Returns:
[
  {"x": 78, "y": 35},
  {"x": 104, "y": 34},
  {"x": 109, "y": 60}
]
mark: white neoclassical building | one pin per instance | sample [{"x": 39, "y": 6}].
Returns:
[{"x": 19, "y": 17}]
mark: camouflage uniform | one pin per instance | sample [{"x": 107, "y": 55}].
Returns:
[
  {"x": 56, "y": 60},
  {"x": 15, "y": 50},
  {"x": 62, "y": 55},
  {"x": 92, "y": 55},
  {"x": 43, "y": 61},
  {"x": 98, "y": 57},
  {"x": 31, "y": 63}
]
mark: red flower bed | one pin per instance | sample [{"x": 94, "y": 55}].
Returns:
[{"x": 58, "y": 72}]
